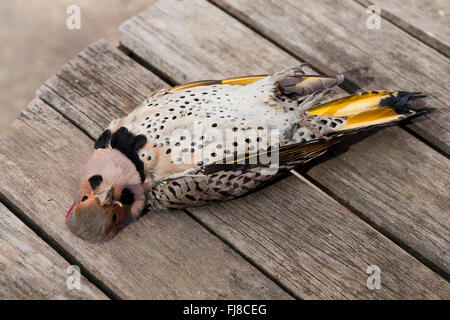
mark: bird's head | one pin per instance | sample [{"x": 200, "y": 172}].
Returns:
[{"x": 109, "y": 196}]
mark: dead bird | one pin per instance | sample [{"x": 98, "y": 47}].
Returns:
[{"x": 216, "y": 140}]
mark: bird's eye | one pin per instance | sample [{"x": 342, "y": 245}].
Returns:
[
  {"x": 84, "y": 198},
  {"x": 114, "y": 218}
]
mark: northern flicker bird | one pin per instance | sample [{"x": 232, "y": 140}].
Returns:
[{"x": 216, "y": 140}]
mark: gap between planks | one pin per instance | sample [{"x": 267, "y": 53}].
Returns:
[
  {"x": 243, "y": 255},
  {"x": 391, "y": 236},
  {"x": 57, "y": 247},
  {"x": 242, "y": 15},
  {"x": 64, "y": 253},
  {"x": 131, "y": 82},
  {"x": 303, "y": 176},
  {"x": 402, "y": 244},
  {"x": 347, "y": 85},
  {"x": 409, "y": 28},
  {"x": 124, "y": 103},
  {"x": 43, "y": 278},
  {"x": 171, "y": 68}
]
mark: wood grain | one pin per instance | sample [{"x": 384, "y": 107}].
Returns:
[
  {"x": 401, "y": 187},
  {"x": 410, "y": 148},
  {"x": 427, "y": 20},
  {"x": 414, "y": 221},
  {"x": 316, "y": 247},
  {"x": 261, "y": 226},
  {"x": 333, "y": 37},
  {"x": 212, "y": 49},
  {"x": 31, "y": 269},
  {"x": 165, "y": 256},
  {"x": 81, "y": 81}
]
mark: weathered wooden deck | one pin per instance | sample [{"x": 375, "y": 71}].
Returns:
[{"x": 385, "y": 201}]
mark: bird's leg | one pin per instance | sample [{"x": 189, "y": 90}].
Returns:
[
  {"x": 311, "y": 100},
  {"x": 293, "y": 71}
]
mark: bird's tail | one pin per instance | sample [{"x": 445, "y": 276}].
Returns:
[{"x": 368, "y": 109}]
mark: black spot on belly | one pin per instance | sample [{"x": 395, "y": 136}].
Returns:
[{"x": 129, "y": 144}]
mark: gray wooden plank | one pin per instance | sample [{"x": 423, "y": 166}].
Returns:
[
  {"x": 31, "y": 269},
  {"x": 333, "y": 36},
  {"x": 427, "y": 20},
  {"x": 402, "y": 187},
  {"x": 159, "y": 36},
  {"x": 163, "y": 256},
  {"x": 129, "y": 83},
  {"x": 316, "y": 247},
  {"x": 275, "y": 227},
  {"x": 409, "y": 213}
]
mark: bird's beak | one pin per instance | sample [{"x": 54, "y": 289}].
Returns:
[
  {"x": 105, "y": 194},
  {"x": 117, "y": 203}
]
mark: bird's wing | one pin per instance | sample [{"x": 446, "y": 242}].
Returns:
[
  {"x": 192, "y": 189},
  {"x": 292, "y": 83},
  {"x": 287, "y": 156},
  {"x": 225, "y": 181},
  {"x": 243, "y": 80}
]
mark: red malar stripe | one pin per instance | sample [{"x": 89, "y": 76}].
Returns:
[{"x": 68, "y": 212}]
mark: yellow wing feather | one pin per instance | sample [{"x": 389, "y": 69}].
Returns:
[{"x": 232, "y": 81}]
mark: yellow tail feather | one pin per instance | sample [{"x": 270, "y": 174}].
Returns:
[{"x": 369, "y": 108}]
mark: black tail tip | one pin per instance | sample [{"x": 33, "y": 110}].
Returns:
[
  {"x": 404, "y": 102},
  {"x": 415, "y": 101},
  {"x": 412, "y": 95}
]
